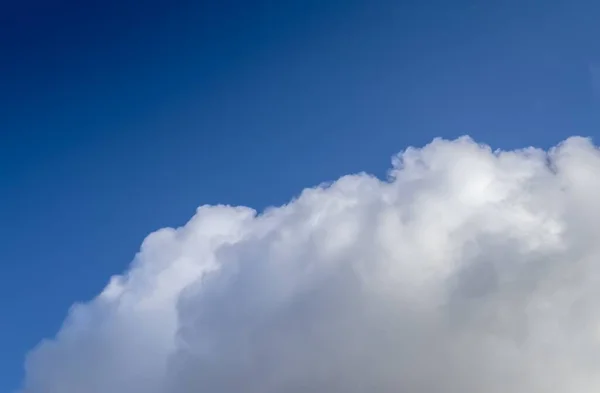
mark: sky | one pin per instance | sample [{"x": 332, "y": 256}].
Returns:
[{"x": 118, "y": 119}]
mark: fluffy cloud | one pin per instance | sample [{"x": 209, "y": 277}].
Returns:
[{"x": 468, "y": 270}]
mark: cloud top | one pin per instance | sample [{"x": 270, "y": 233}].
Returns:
[{"x": 467, "y": 270}]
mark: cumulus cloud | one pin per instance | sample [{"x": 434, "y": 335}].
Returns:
[{"x": 467, "y": 270}]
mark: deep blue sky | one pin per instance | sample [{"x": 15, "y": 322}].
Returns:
[{"x": 118, "y": 117}]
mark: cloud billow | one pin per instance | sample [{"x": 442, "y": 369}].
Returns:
[{"x": 467, "y": 270}]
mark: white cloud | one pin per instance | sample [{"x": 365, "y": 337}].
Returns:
[{"x": 466, "y": 271}]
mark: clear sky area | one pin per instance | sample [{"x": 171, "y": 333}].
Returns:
[{"x": 118, "y": 118}]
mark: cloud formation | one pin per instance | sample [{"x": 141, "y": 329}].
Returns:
[{"x": 466, "y": 271}]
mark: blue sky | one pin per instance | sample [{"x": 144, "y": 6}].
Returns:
[{"x": 118, "y": 119}]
